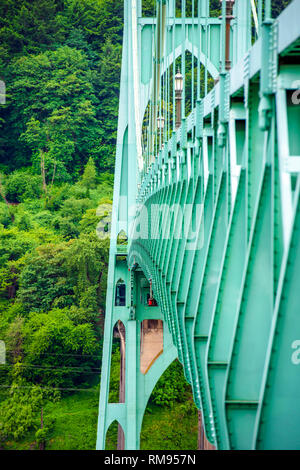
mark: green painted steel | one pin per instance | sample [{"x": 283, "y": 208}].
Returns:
[{"x": 211, "y": 210}]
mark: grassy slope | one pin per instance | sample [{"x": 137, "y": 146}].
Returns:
[
  {"x": 75, "y": 426},
  {"x": 75, "y": 416},
  {"x": 170, "y": 428}
]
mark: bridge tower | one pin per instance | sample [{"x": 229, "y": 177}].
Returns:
[
  {"x": 206, "y": 213},
  {"x": 147, "y": 349}
]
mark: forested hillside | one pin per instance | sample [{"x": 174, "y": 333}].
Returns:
[{"x": 61, "y": 61}]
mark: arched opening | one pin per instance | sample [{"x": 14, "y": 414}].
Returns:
[
  {"x": 115, "y": 438},
  {"x": 171, "y": 103},
  {"x": 152, "y": 343},
  {"x": 171, "y": 402},
  {"x": 120, "y": 297},
  {"x": 117, "y": 367},
  {"x": 122, "y": 238}
]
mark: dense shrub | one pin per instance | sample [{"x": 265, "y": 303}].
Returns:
[
  {"x": 22, "y": 185},
  {"x": 171, "y": 387},
  {"x": 5, "y": 215}
]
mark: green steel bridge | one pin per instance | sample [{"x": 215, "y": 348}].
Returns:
[{"x": 205, "y": 227}]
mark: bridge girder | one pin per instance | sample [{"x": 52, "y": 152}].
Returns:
[{"x": 214, "y": 223}]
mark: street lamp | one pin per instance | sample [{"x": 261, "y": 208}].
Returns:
[
  {"x": 160, "y": 122},
  {"x": 178, "y": 97},
  {"x": 160, "y": 126},
  {"x": 229, "y": 17}
]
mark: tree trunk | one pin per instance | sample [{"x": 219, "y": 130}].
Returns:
[{"x": 43, "y": 172}]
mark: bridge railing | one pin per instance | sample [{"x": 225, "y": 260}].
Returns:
[
  {"x": 235, "y": 156},
  {"x": 217, "y": 226},
  {"x": 171, "y": 118}
]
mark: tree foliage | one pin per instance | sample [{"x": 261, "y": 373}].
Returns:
[
  {"x": 171, "y": 387},
  {"x": 61, "y": 63},
  {"x": 17, "y": 412},
  {"x": 60, "y": 352},
  {"x": 52, "y": 295}
]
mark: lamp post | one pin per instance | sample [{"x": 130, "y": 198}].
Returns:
[
  {"x": 229, "y": 17},
  {"x": 178, "y": 97},
  {"x": 160, "y": 126}
]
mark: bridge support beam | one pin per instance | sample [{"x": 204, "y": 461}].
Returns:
[
  {"x": 230, "y": 301},
  {"x": 132, "y": 434},
  {"x": 143, "y": 365}
]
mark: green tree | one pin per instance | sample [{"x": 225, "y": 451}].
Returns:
[
  {"x": 52, "y": 111},
  {"x": 108, "y": 89},
  {"x": 44, "y": 282},
  {"x": 14, "y": 339},
  {"x": 89, "y": 221},
  {"x": 15, "y": 243},
  {"x": 17, "y": 413},
  {"x": 21, "y": 185},
  {"x": 61, "y": 353},
  {"x": 87, "y": 261},
  {"x": 171, "y": 387},
  {"x": 28, "y": 26},
  {"x": 89, "y": 176}
]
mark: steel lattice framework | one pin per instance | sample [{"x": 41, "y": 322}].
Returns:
[{"x": 212, "y": 214}]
